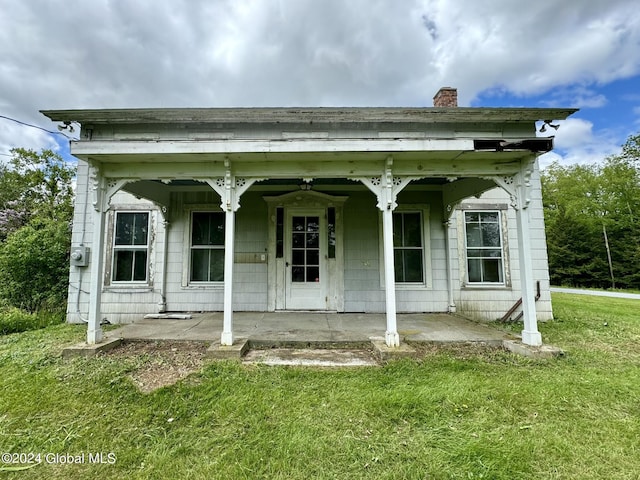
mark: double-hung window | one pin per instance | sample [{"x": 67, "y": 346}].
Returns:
[
  {"x": 131, "y": 247},
  {"x": 207, "y": 247},
  {"x": 484, "y": 247},
  {"x": 408, "y": 247}
]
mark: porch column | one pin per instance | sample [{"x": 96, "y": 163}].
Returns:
[
  {"x": 230, "y": 188},
  {"x": 530, "y": 333},
  {"x": 447, "y": 246},
  {"x": 229, "y": 241},
  {"x": 386, "y": 188},
  {"x": 391, "y": 336},
  {"x": 519, "y": 189},
  {"x": 102, "y": 192},
  {"x": 94, "y": 330}
]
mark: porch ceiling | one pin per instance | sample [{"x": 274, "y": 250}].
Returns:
[{"x": 314, "y": 164}]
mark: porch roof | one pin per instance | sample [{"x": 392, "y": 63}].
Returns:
[
  {"x": 301, "y": 115},
  {"x": 187, "y": 143}
]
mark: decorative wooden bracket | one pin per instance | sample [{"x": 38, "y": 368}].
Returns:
[
  {"x": 230, "y": 188},
  {"x": 386, "y": 187},
  {"x": 518, "y": 186},
  {"x": 104, "y": 188}
]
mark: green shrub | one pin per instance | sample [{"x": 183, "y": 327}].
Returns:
[
  {"x": 15, "y": 320},
  {"x": 34, "y": 268}
]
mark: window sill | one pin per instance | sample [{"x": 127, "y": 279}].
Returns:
[
  {"x": 486, "y": 286},
  {"x": 412, "y": 286},
  {"x": 204, "y": 286},
  {"x": 129, "y": 288}
]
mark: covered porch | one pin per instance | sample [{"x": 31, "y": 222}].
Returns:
[
  {"x": 152, "y": 153},
  {"x": 278, "y": 329}
]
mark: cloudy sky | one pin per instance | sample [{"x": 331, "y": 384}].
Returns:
[{"x": 213, "y": 53}]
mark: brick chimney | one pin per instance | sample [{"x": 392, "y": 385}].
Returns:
[{"x": 446, "y": 97}]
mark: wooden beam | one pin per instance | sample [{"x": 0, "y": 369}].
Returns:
[
  {"x": 466, "y": 165},
  {"x": 298, "y": 145}
]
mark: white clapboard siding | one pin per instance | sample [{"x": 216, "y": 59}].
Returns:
[{"x": 363, "y": 278}]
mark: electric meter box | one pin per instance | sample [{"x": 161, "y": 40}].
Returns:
[{"x": 80, "y": 256}]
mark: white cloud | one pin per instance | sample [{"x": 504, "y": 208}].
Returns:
[
  {"x": 578, "y": 96},
  {"x": 15, "y": 135},
  {"x": 576, "y": 142},
  {"x": 161, "y": 53}
]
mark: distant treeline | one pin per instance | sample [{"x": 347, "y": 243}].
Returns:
[{"x": 592, "y": 215}]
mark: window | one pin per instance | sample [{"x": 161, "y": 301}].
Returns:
[
  {"x": 305, "y": 249},
  {"x": 130, "y": 247},
  {"x": 279, "y": 232},
  {"x": 408, "y": 247},
  {"x": 207, "y": 247},
  {"x": 484, "y": 247},
  {"x": 331, "y": 232}
]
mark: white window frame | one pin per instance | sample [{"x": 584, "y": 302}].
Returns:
[
  {"x": 116, "y": 248},
  {"x": 427, "y": 273},
  {"x": 502, "y": 247},
  {"x": 188, "y": 247}
]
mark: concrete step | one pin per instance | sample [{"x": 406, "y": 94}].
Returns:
[{"x": 313, "y": 357}]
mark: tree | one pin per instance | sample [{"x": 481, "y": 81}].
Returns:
[
  {"x": 36, "y": 207},
  {"x": 34, "y": 185},
  {"x": 34, "y": 268},
  {"x": 591, "y": 213}
]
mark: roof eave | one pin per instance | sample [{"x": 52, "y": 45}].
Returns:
[{"x": 308, "y": 115}]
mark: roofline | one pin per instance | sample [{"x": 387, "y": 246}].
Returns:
[{"x": 308, "y": 115}]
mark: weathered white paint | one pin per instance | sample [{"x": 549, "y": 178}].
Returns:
[
  {"x": 362, "y": 241},
  {"x": 300, "y": 165},
  {"x": 424, "y": 210},
  {"x": 279, "y": 274},
  {"x": 296, "y": 145},
  {"x": 363, "y": 260},
  {"x": 306, "y": 295},
  {"x": 386, "y": 189},
  {"x": 229, "y": 248},
  {"x": 391, "y": 336},
  {"x": 530, "y": 333},
  {"x": 229, "y": 151},
  {"x": 94, "y": 330},
  {"x": 447, "y": 247}
]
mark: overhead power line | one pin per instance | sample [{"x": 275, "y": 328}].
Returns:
[{"x": 36, "y": 126}]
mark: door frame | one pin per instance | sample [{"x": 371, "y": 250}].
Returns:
[
  {"x": 299, "y": 201},
  {"x": 294, "y": 291}
]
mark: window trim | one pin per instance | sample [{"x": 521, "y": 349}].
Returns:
[
  {"x": 427, "y": 271},
  {"x": 503, "y": 247},
  {"x": 115, "y": 248},
  {"x": 187, "y": 283},
  {"x": 220, "y": 247}
]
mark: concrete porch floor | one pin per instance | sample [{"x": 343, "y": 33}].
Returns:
[{"x": 291, "y": 328}]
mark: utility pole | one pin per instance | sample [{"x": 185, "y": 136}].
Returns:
[{"x": 606, "y": 244}]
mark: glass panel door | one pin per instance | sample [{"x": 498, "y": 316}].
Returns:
[
  {"x": 305, "y": 250},
  {"x": 305, "y": 289}
]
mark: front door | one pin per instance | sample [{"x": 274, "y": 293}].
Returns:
[{"x": 305, "y": 260}]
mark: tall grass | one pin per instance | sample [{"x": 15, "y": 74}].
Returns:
[{"x": 15, "y": 320}]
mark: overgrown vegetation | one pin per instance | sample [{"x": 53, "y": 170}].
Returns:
[
  {"x": 15, "y": 320},
  {"x": 593, "y": 221},
  {"x": 36, "y": 206},
  {"x": 457, "y": 413}
]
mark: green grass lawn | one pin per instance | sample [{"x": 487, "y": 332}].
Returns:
[{"x": 456, "y": 413}]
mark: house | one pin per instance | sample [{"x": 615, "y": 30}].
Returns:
[{"x": 334, "y": 209}]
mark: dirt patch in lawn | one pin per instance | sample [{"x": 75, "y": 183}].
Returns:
[{"x": 161, "y": 363}]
